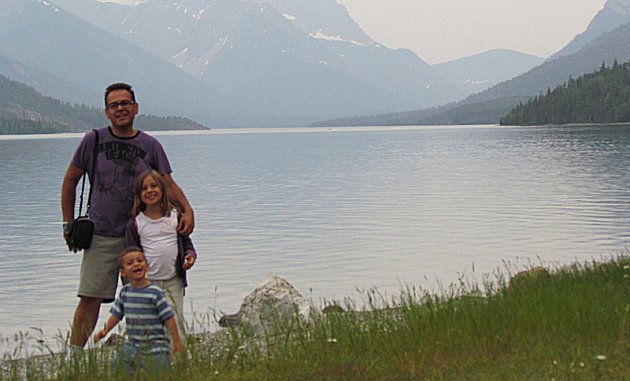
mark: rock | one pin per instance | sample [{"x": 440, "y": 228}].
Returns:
[
  {"x": 332, "y": 309},
  {"x": 273, "y": 301},
  {"x": 229, "y": 320},
  {"x": 527, "y": 276},
  {"x": 114, "y": 340}
]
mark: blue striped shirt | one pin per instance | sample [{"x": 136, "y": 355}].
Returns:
[{"x": 145, "y": 310}]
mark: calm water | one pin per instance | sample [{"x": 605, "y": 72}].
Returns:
[{"x": 337, "y": 211}]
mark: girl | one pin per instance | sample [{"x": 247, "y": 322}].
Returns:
[{"x": 153, "y": 227}]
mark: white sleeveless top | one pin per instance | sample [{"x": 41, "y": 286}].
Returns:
[{"x": 159, "y": 242}]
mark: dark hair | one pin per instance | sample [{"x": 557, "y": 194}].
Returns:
[
  {"x": 119, "y": 86},
  {"x": 138, "y": 205},
  {"x": 127, "y": 250}
]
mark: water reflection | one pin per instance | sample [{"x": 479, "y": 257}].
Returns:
[{"x": 337, "y": 211}]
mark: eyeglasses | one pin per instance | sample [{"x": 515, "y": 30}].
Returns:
[{"x": 125, "y": 104}]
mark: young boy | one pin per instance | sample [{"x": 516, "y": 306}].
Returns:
[{"x": 146, "y": 312}]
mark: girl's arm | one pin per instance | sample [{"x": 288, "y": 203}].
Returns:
[
  {"x": 172, "y": 327},
  {"x": 111, "y": 323},
  {"x": 190, "y": 254}
]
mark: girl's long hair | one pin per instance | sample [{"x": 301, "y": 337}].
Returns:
[{"x": 138, "y": 205}]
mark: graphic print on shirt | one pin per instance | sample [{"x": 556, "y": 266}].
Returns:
[
  {"x": 124, "y": 161},
  {"x": 125, "y": 157}
]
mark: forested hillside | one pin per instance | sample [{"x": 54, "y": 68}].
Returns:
[
  {"x": 599, "y": 97},
  {"x": 25, "y": 111}
]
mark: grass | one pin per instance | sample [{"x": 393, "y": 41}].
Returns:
[{"x": 571, "y": 323}]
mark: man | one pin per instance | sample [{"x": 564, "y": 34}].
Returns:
[{"x": 122, "y": 153}]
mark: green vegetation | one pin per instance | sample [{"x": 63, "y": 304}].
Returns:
[
  {"x": 572, "y": 323},
  {"x": 600, "y": 97},
  {"x": 22, "y": 126},
  {"x": 25, "y": 111}
]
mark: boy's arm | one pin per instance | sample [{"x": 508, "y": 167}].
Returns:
[
  {"x": 172, "y": 327},
  {"x": 111, "y": 323}
]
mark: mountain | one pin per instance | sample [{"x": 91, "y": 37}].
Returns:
[
  {"x": 607, "y": 48},
  {"x": 48, "y": 84},
  {"x": 24, "y": 110},
  {"x": 489, "y": 105},
  {"x": 46, "y": 39},
  {"x": 599, "y": 97},
  {"x": 295, "y": 60},
  {"x": 479, "y": 72},
  {"x": 614, "y": 14}
]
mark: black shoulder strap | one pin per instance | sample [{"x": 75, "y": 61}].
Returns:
[{"x": 87, "y": 209}]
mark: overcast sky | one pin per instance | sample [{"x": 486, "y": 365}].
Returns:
[{"x": 442, "y": 30}]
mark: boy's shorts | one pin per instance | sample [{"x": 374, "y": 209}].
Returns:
[{"x": 99, "y": 268}]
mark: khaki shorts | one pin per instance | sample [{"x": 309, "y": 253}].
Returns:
[
  {"x": 99, "y": 268},
  {"x": 174, "y": 291}
]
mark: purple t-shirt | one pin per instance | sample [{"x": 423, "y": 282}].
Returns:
[{"x": 119, "y": 161}]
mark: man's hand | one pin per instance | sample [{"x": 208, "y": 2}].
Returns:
[
  {"x": 66, "y": 230},
  {"x": 186, "y": 223},
  {"x": 68, "y": 189},
  {"x": 178, "y": 198}
]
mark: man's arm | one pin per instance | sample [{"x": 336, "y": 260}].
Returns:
[
  {"x": 177, "y": 196},
  {"x": 68, "y": 195}
]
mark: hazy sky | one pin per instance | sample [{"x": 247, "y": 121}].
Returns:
[{"x": 442, "y": 30}]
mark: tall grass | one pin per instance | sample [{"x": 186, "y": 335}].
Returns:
[{"x": 571, "y": 323}]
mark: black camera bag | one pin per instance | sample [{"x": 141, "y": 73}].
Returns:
[{"x": 81, "y": 230}]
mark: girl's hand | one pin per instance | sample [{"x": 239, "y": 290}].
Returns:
[{"x": 189, "y": 261}]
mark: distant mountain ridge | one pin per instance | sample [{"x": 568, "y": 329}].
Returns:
[
  {"x": 488, "y": 106},
  {"x": 243, "y": 62},
  {"x": 235, "y": 63},
  {"x": 609, "y": 47},
  {"x": 614, "y": 14},
  {"x": 45, "y": 38},
  {"x": 481, "y": 71}
]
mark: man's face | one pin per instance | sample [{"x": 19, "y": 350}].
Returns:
[{"x": 120, "y": 109}]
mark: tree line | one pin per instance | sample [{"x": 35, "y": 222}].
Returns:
[
  {"x": 599, "y": 97},
  {"x": 25, "y": 111}
]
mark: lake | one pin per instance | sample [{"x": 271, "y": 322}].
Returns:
[{"x": 337, "y": 212}]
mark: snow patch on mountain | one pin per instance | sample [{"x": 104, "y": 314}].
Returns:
[
  {"x": 473, "y": 82},
  {"x": 49, "y": 5},
  {"x": 198, "y": 15},
  {"x": 131, "y": 3},
  {"x": 319, "y": 35},
  {"x": 181, "y": 54}
]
